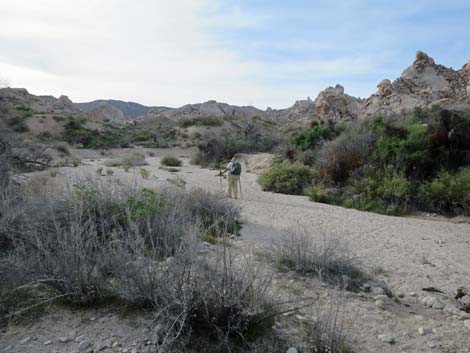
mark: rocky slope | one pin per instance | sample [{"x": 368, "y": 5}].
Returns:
[
  {"x": 334, "y": 104},
  {"x": 26, "y": 116},
  {"x": 47, "y": 104},
  {"x": 108, "y": 113},
  {"x": 130, "y": 110},
  {"x": 423, "y": 84}
]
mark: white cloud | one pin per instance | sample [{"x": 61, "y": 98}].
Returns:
[{"x": 155, "y": 52}]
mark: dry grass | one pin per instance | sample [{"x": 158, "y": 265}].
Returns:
[
  {"x": 98, "y": 243},
  {"x": 328, "y": 330},
  {"x": 133, "y": 159},
  {"x": 329, "y": 258}
]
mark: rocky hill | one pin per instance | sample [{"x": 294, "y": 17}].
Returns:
[
  {"x": 423, "y": 84},
  {"x": 130, "y": 110},
  {"x": 108, "y": 113},
  {"x": 29, "y": 116}
]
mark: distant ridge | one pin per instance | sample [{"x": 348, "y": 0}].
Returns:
[{"x": 130, "y": 110}]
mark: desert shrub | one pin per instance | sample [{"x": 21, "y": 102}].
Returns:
[
  {"x": 231, "y": 299},
  {"x": 101, "y": 242},
  {"x": 385, "y": 192},
  {"x": 319, "y": 193},
  {"x": 9, "y": 216},
  {"x": 329, "y": 331},
  {"x": 216, "y": 150},
  {"x": 201, "y": 121},
  {"x": 286, "y": 178},
  {"x": 171, "y": 161},
  {"x": 221, "y": 148},
  {"x": 69, "y": 161},
  {"x": 216, "y": 215},
  {"x": 63, "y": 149},
  {"x": 76, "y": 133},
  {"x": 339, "y": 158},
  {"x": 44, "y": 136},
  {"x": 321, "y": 255},
  {"x": 406, "y": 148},
  {"x": 144, "y": 173},
  {"x": 69, "y": 242},
  {"x": 447, "y": 192},
  {"x": 312, "y": 137},
  {"x": 132, "y": 159}
]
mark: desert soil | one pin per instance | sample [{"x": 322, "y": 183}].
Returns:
[{"x": 409, "y": 254}]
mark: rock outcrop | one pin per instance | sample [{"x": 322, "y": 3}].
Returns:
[
  {"x": 333, "y": 104},
  {"x": 107, "y": 113},
  {"x": 209, "y": 108},
  {"x": 423, "y": 84},
  {"x": 45, "y": 104},
  {"x": 301, "y": 110}
]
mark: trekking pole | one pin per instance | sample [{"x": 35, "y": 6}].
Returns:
[
  {"x": 220, "y": 177},
  {"x": 240, "y": 183}
]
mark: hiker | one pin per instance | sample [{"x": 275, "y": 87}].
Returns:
[{"x": 234, "y": 170}]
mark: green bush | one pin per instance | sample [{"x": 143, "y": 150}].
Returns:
[
  {"x": 170, "y": 161},
  {"x": 388, "y": 193},
  {"x": 339, "y": 158},
  {"x": 447, "y": 192},
  {"x": 76, "y": 133},
  {"x": 318, "y": 193},
  {"x": 311, "y": 138},
  {"x": 201, "y": 121},
  {"x": 287, "y": 178},
  {"x": 405, "y": 148}
]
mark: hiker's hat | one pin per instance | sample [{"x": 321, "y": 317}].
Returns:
[{"x": 234, "y": 158}]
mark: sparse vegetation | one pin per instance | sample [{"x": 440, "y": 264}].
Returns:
[
  {"x": 326, "y": 257},
  {"x": 101, "y": 242},
  {"x": 131, "y": 159},
  {"x": 216, "y": 149},
  {"x": 201, "y": 121},
  {"x": 329, "y": 331},
  {"x": 144, "y": 173},
  {"x": 69, "y": 161}
]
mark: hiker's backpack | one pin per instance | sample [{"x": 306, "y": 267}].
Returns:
[{"x": 236, "y": 168}]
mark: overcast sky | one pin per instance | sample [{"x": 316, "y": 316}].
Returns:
[{"x": 245, "y": 52}]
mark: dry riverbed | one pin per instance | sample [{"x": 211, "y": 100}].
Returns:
[{"x": 408, "y": 254}]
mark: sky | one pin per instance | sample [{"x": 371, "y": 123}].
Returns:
[{"x": 244, "y": 52}]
